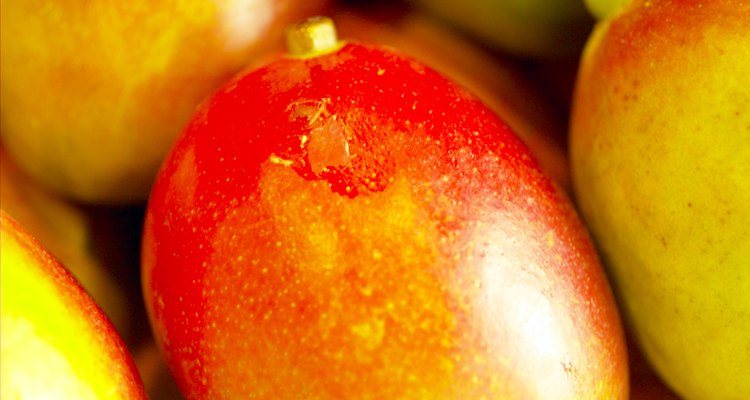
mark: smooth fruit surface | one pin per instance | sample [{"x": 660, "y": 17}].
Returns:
[
  {"x": 660, "y": 152},
  {"x": 353, "y": 225},
  {"x": 56, "y": 342},
  {"x": 66, "y": 232},
  {"x": 93, "y": 93},
  {"x": 602, "y": 9},
  {"x": 530, "y": 28}
]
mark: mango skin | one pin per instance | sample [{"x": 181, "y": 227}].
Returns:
[
  {"x": 92, "y": 94},
  {"x": 660, "y": 153},
  {"x": 56, "y": 342},
  {"x": 66, "y": 230},
  {"x": 371, "y": 231},
  {"x": 540, "y": 29}
]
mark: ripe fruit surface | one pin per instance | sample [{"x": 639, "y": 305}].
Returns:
[
  {"x": 353, "y": 225},
  {"x": 65, "y": 231},
  {"x": 528, "y": 28},
  {"x": 56, "y": 342},
  {"x": 496, "y": 80},
  {"x": 660, "y": 153},
  {"x": 93, "y": 93}
]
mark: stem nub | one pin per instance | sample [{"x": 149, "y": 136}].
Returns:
[{"x": 312, "y": 37}]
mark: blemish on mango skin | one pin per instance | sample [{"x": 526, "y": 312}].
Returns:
[
  {"x": 327, "y": 146},
  {"x": 325, "y": 142},
  {"x": 338, "y": 148},
  {"x": 310, "y": 109},
  {"x": 274, "y": 159}
]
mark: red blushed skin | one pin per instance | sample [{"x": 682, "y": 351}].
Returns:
[
  {"x": 355, "y": 226},
  {"x": 634, "y": 46}
]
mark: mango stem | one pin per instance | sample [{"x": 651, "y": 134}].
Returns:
[{"x": 312, "y": 37}]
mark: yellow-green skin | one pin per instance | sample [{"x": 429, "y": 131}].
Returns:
[
  {"x": 660, "y": 153},
  {"x": 602, "y": 8},
  {"x": 530, "y": 28},
  {"x": 55, "y": 341}
]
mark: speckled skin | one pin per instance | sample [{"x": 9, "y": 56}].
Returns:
[
  {"x": 354, "y": 226},
  {"x": 660, "y": 152}
]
